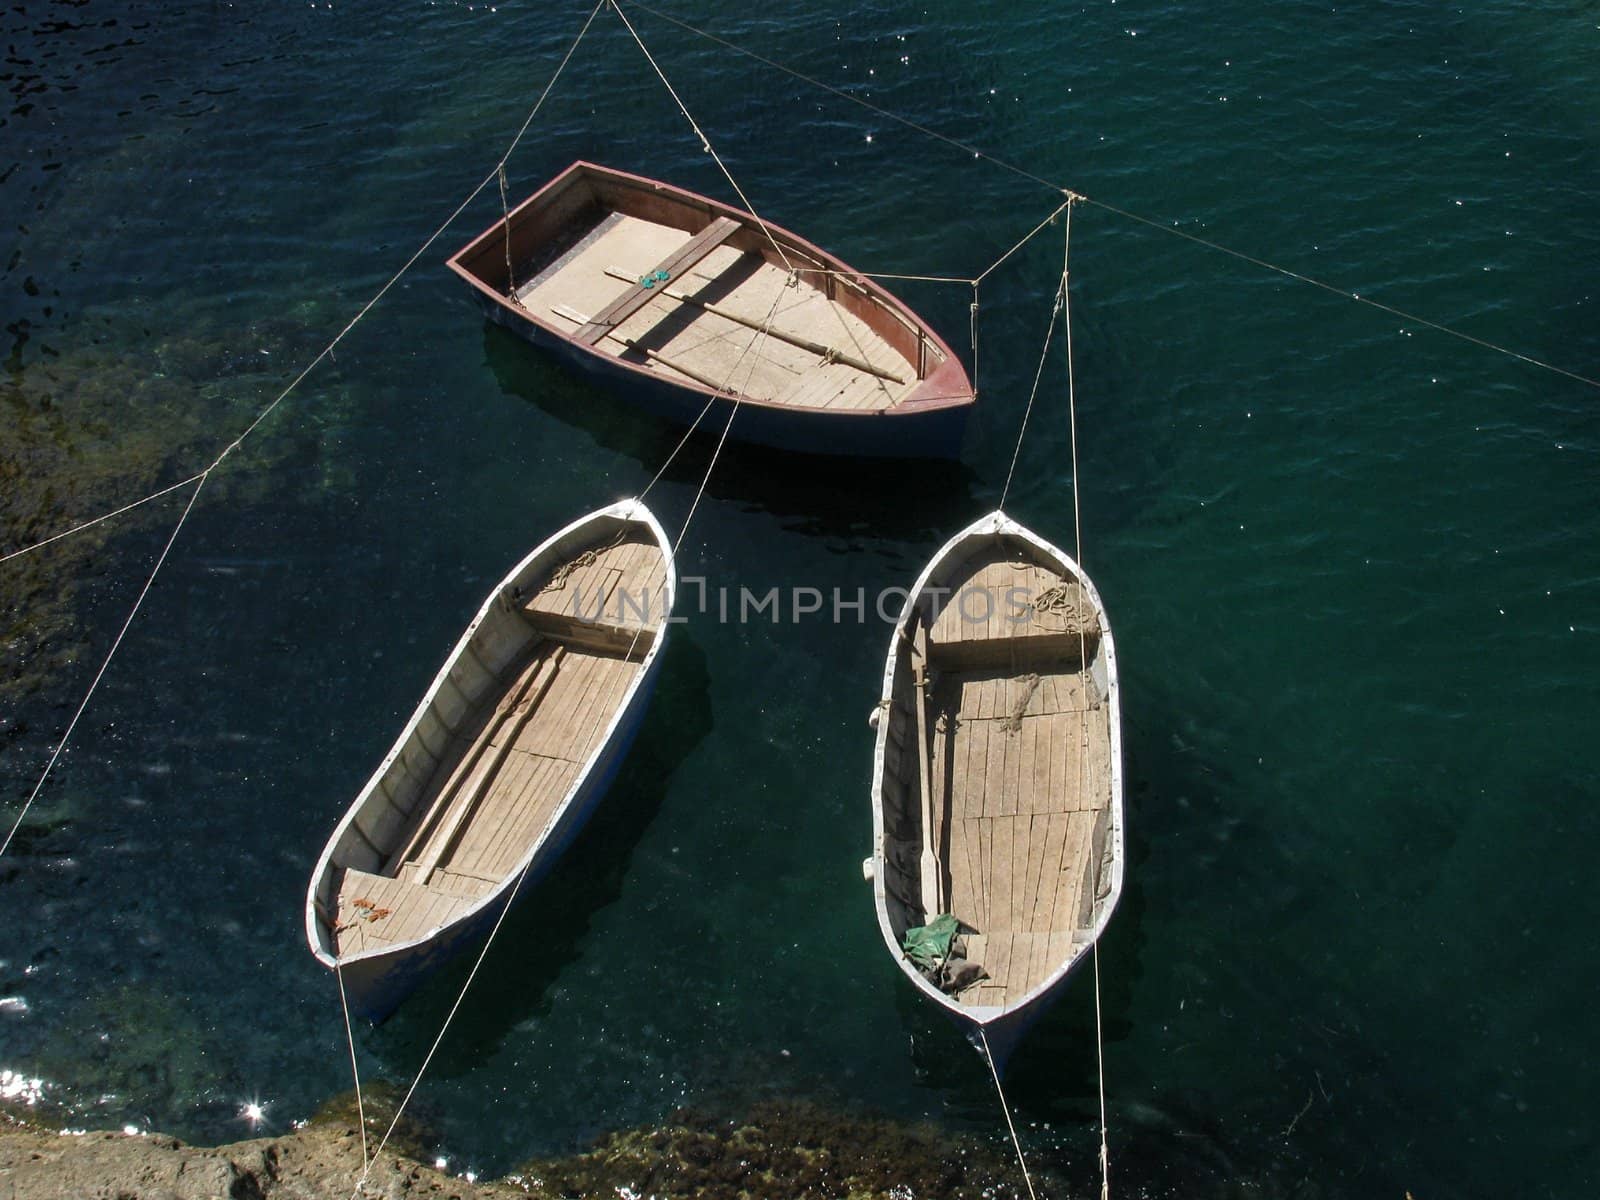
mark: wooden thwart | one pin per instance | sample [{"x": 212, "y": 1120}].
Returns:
[
  {"x": 636, "y": 297},
  {"x": 682, "y": 368}
]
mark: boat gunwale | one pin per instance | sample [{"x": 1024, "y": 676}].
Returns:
[
  {"x": 997, "y": 525},
  {"x": 910, "y": 405},
  {"x": 629, "y": 512}
]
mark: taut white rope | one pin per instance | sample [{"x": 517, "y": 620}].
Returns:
[
  {"x": 199, "y": 482},
  {"x": 1083, "y": 657},
  {"x": 1005, "y": 1107},
  {"x": 1044, "y": 353},
  {"x": 102, "y": 517},
  {"x": 705, "y": 141},
  {"x": 355, "y": 1070},
  {"x": 1064, "y": 206}
]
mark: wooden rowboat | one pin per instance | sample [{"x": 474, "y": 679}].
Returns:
[
  {"x": 674, "y": 299},
  {"x": 502, "y": 762},
  {"x": 997, "y": 778}
]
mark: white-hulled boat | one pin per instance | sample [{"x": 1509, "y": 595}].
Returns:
[
  {"x": 997, "y": 780},
  {"x": 515, "y": 742}
]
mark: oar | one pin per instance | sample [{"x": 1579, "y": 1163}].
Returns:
[
  {"x": 931, "y": 902},
  {"x": 507, "y": 705},
  {"x": 716, "y": 385},
  {"x": 467, "y": 800},
  {"x": 822, "y": 349}
]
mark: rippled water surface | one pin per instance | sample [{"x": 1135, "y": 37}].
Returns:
[{"x": 1353, "y": 566}]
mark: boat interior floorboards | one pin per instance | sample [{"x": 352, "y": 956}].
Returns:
[
  {"x": 1019, "y": 767},
  {"x": 513, "y": 760},
  {"x": 717, "y": 345}
]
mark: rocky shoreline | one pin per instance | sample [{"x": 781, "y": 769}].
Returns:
[{"x": 777, "y": 1151}]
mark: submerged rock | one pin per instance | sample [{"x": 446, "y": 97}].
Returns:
[
  {"x": 114, "y": 415},
  {"x": 782, "y": 1149}
]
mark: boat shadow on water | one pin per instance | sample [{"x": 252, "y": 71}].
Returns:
[
  {"x": 817, "y": 494},
  {"x": 554, "y": 917}
]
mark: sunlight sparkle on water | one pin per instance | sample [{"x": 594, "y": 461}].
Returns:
[{"x": 20, "y": 1088}]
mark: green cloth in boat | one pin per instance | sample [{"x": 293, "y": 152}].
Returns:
[{"x": 929, "y": 945}]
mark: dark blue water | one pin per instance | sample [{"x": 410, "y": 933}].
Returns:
[{"x": 1353, "y": 566}]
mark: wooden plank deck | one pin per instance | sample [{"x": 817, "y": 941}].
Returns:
[
  {"x": 994, "y": 597},
  {"x": 618, "y": 585},
  {"x": 513, "y": 761},
  {"x": 581, "y": 290},
  {"x": 532, "y": 779},
  {"x": 1021, "y": 770}
]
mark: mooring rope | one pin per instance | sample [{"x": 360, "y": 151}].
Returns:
[
  {"x": 93, "y": 521},
  {"x": 511, "y": 894},
  {"x": 1083, "y": 671},
  {"x": 1005, "y": 1107},
  {"x": 199, "y": 482},
  {"x": 1164, "y": 227},
  {"x": 1064, "y": 207},
  {"x": 505, "y": 220},
  {"x": 1100, "y": 1064},
  {"x": 355, "y": 1070},
  {"x": 1044, "y": 354},
  {"x": 705, "y": 142}
]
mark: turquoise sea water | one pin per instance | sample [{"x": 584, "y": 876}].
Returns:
[{"x": 1353, "y": 567}]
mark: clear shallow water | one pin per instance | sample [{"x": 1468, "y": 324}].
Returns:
[{"x": 1353, "y": 567}]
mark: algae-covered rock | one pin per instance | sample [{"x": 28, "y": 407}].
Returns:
[
  {"x": 778, "y": 1151},
  {"x": 140, "y": 1048},
  {"x": 379, "y": 1100},
  {"x": 782, "y": 1149},
  {"x": 112, "y": 416}
]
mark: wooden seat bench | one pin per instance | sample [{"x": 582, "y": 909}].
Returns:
[
  {"x": 675, "y": 264},
  {"x": 627, "y": 639}
]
